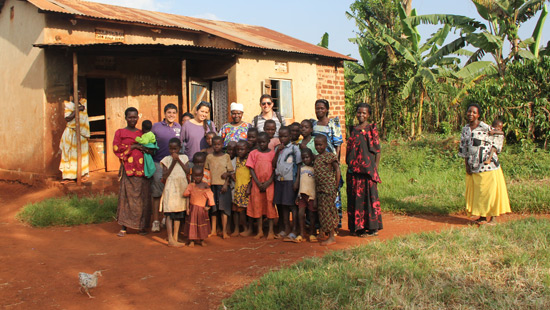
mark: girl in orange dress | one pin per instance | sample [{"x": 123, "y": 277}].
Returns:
[
  {"x": 201, "y": 198},
  {"x": 260, "y": 162}
]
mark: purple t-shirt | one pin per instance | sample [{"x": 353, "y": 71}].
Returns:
[
  {"x": 193, "y": 137},
  {"x": 164, "y": 133}
]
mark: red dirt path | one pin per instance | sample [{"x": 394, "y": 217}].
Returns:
[{"x": 39, "y": 267}]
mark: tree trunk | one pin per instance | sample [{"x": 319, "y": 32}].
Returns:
[
  {"x": 422, "y": 93},
  {"x": 407, "y": 4}
]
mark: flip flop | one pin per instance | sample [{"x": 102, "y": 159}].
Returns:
[
  {"x": 121, "y": 233},
  {"x": 313, "y": 239},
  {"x": 290, "y": 238},
  {"x": 298, "y": 239},
  {"x": 280, "y": 235}
]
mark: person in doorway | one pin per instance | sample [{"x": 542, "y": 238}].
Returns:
[
  {"x": 266, "y": 103},
  {"x": 68, "y": 143},
  {"x": 164, "y": 131}
]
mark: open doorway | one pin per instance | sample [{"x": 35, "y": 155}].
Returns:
[{"x": 95, "y": 90}]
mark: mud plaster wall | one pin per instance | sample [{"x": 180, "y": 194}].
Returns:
[
  {"x": 22, "y": 118},
  {"x": 252, "y": 69}
]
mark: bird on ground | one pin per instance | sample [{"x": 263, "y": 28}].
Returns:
[{"x": 88, "y": 281}]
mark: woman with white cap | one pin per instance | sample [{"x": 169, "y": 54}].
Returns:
[{"x": 236, "y": 130}]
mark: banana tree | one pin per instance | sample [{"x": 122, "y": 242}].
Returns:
[{"x": 502, "y": 20}]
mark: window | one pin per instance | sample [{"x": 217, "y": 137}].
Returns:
[{"x": 281, "y": 91}]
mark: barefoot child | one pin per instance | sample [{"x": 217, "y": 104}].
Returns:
[
  {"x": 270, "y": 127},
  {"x": 201, "y": 199},
  {"x": 251, "y": 139},
  {"x": 209, "y": 136},
  {"x": 198, "y": 161},
  {"x": 260, "y": 162},
  {"x": 327, "y": 178},
  {"x": 175, "y": 170},
  {"x": 306, "y": 128},
  {"x": 498, "y": 138},
  {"x": 286, "y": 161},
  {"x": 221, "y": 169},
  {"x": 306, "y": 195},
  {"x": 242, "y": 191}
]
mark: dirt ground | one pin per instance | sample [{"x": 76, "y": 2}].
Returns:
[{"x": 39, "y": 267}]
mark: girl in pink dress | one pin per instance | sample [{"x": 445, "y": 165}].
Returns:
[{"x": 260, "y": 162}]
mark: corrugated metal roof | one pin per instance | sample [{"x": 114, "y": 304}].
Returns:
[{"x": 246, "y": 35}]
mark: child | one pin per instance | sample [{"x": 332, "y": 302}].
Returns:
[
  {"x": 260, "y": 162},
  {"x": 286, "y": 160},
  {"x": 209, "y": 137},
  {"x": 498, "y": 137},
  {"x": 251, "y": 139},
  {"x": 270, "y": 127},
  {"x": 221, "y": 168},
  {"x": 201, "y": 199},
  {"x": 186, "y": 116},
  {"x": 306, "y": 195},
  {"x": 295, "y": 133},
  {"x": 306, "y": 128},
  {"x": 327, "y": 179},
  {"x": 242, "y": 191},
  {"x": 175, "y": 169},
  {"x": 199, "y": 159},
  {"x": 149, "y": 140}
]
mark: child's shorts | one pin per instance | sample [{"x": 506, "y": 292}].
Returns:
[
  {"x": 305, "y": 202},
  {"x": 223, "y": 201},
  {"x": 175, "y": 215},
  {"x": 284, "y": 193}
]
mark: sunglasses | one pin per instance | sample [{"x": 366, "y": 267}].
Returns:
[{"x": 264, "y": 103}]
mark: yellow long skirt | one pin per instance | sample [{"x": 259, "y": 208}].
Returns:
[{"x": 486, "y": 194}]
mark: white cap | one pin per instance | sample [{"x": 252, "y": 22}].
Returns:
[{"x": 237, "y": 107}]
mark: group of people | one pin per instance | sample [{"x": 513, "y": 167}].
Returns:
[
  {"x": 243, "y": 175},
  {"x": 263, "y": 172}
]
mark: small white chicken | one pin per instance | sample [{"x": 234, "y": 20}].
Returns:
[{"x": 88, "y": 281}]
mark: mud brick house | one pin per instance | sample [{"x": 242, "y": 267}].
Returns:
[{"x": 128, "y": 57}]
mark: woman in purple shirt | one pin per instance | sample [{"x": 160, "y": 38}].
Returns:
[{"x": 193, "y": 131}]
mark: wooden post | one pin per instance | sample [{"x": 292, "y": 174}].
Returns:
[
  {"x": 184, "y": 102},
  {"x": 77, "y": 121}
]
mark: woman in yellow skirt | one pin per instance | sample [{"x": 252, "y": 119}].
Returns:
[{"x": 486, "y": 193}]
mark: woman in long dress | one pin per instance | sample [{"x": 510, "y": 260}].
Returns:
[
  {"x": 362, "y": 157},
  {"x": 486, "y": 193},
  {"x": 134, "y": 197}
]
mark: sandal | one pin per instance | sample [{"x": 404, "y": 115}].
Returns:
[
  {"x": 313, "y": 239},
  {"x": 121, "y": 233},
  {"x": 290, "y": 238},
  {"x": 298, "y": 239},
  {"x": 280, "y": 235}
]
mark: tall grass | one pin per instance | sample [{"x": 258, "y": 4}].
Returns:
[
  {"x": 69, "y": 211},
  {"x": 427, "y": 176},
  {"x": 500, "y": 267}
]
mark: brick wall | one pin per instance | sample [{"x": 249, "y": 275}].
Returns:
[{"x": 330, "y": 86}]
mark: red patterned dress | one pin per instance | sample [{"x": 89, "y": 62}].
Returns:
[
  {"x": 134, "y": 197},
  {"x": 362, "y": 178}
]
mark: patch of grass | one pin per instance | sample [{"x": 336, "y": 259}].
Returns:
[
  {"x": 427, "y": 176},
  {"x": 70, "y": 211},
  {"x": 500, "y": 267}
]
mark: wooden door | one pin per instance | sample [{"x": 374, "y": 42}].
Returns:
[{"x": 116, "y": 102}]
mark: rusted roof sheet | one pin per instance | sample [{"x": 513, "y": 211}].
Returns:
[{"x": 246, "y": 35}]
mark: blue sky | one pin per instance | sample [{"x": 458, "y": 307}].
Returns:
[{"x": 307, "y": 20}]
